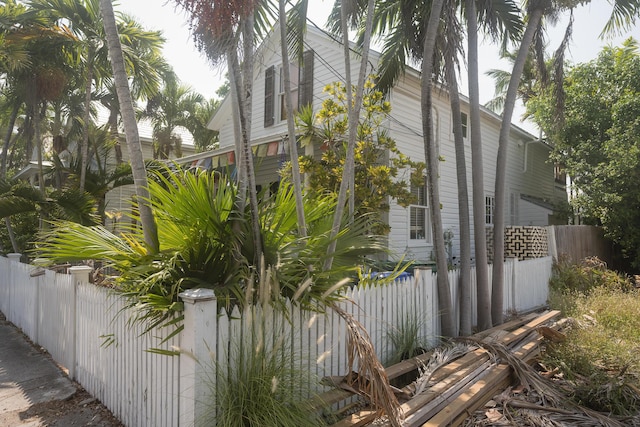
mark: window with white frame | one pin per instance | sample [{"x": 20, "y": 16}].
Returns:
[
  {"x": 294, "y": 75},
  {"x": 465, "y": 124},
  {"x": 464, "y": 120},
  {"x": 275, "y": 110},
  {"x": 489, "y": 209},
  {"x": 419, "y": 215}
]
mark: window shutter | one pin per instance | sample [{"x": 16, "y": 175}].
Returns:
[
  {"x": 269, "y": 95},
  {"x": 305, "y": 92}
]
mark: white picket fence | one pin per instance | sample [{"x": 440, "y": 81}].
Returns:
[{"x": 85, "y": 329}]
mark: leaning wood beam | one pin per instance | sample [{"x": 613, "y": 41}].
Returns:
[
  {"x": 437, "y": 397},
  {"x": 445, "y": 377},
  {"x": 507, "y": 326},
  {"x": 336, "y": 395},
  {"x": 513, "y": 337},
  {"x": 477, "y": 394}
]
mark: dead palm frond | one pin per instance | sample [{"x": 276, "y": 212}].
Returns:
[
  {"x": 440, "y": 357},
  {"x": 371, "y": 380},
  {"x": 549, "y": 392}
]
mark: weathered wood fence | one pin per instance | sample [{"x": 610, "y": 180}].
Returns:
[
  {"x": 577, "y": 242},
  {"x": 85, "y": 329}
]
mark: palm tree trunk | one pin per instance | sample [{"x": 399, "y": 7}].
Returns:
[
  {"x": 84, "y": 148},
  {"x": 130, "y": 126},
  {"x": 242, "y": 88},
  {"x": 463, "y": 201},
  {"x": 347, "y": 184},
  {"x": 38, "y": 137},
  {"x": 7, "y": 138},
  {"x": 293, "y": 143},
  {"x": 497, "y": 293},
  {"x": 12, "y": 235},
  {"x": 431, "y": 157},
  {"x": 477, "y": 174}
]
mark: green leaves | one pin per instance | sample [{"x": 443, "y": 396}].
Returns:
[
  {"x": 599, "y": 143},
  {"x": 205, "y": 242}
]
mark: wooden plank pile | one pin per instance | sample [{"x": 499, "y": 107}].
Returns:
[{"x": 457, "y": 387}]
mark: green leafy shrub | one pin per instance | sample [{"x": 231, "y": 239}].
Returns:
[
  {"x": 591, "y": 273},
  {"x": 600, "y": 355}
]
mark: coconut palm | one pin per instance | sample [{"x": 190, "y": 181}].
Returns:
[
  {"x": 351, "y": 11},
  {"x": 624, "y": 13},
  {"x": 130, "y": 125}
]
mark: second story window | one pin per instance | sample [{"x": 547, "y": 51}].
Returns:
[
  {"x": 275, "y": 109},
  {"x": 294, "y": 74},
  {"x": 465, "y": 124},
  {"x": 489, "y": 208}
]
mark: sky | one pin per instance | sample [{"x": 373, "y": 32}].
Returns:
[{"x": 193, "y": 69}]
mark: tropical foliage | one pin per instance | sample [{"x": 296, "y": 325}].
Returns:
[
  {"x": 205, "y": 242},
  {"x": 598, "y": 141},
  {"x": 376, "y": 177}
]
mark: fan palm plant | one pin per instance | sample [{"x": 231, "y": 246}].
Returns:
[{"x": 201, "y": 247}]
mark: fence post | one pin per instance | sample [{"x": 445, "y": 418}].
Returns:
[
  {"x": 425, "y": 277},
  {"x": 80, "y": 275},
  {"x": 13, "y": 258},
  {"x": 200, "y": 311},
  {"x": 39, "y": 263}
]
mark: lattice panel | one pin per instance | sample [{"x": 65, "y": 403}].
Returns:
[{"x": 522, "y": 242}]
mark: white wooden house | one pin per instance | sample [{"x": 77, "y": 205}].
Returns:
[{"x": 533, "y": 186}]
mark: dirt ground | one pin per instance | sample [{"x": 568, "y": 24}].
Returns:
[{"x": 81, "y": 409}]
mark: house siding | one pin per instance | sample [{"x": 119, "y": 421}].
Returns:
[{"x": 535, "y": 178}]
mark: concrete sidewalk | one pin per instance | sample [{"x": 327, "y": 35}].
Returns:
[{"x": 34, "y": 392}]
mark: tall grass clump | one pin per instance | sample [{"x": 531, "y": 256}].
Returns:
[
  {"x": 260, "y": 381},
  {"x": 600, "y": 355},
  {"x": 406, "y": 339},
  {"x": 262, "y": 387}
]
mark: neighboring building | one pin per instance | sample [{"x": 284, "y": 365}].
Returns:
[
  {"x": 532, "y": 187},
  {"x": 118, "y": 200}
]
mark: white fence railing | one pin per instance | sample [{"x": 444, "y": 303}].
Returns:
[{"x": 85, "y": 329}]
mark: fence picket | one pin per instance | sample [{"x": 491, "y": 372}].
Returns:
[{"x": 142, "y": 389}]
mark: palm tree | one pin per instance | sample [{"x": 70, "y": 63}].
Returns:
[
  {"x": 502, "y": 21},
  {"x": 204, "y": 138},
  {"x": 350, "y": 11},
  {"x": 130, "y": 126},
  {"x": 293, "y": 140},
  {"x": 449, "y": 45},
  {"x": 144, "y": 63},
  {"x": 224, "y": 30},
  {"x": 405, "y": 31},
  {"x": 170, "y": 108}
]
